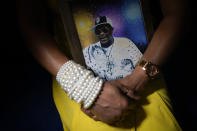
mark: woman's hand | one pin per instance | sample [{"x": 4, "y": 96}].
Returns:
[
  {"x": 134, "y": 82},
  {"x": 110, "y": 105}
]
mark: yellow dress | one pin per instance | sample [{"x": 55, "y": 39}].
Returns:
[{"x": 154, "y": 113}]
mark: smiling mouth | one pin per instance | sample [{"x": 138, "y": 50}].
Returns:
[{"x": 104, "y": 39}]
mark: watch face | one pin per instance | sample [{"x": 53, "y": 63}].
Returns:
[{"x": 152, "y": 70}]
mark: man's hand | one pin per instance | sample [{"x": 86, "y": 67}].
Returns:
[
  {"x": 134, "y": 82},
  {"x": 110, "y": 105}
]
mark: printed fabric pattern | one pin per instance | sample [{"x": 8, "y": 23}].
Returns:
[{"x": 107, "y": 63}]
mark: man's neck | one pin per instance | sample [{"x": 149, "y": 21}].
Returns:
[{"x": 110, "y": 42}]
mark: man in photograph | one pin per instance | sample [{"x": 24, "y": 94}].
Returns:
[{"x": 111, "y": 57}]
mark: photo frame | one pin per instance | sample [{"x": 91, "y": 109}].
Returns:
[{"x": 133, "y": 25}]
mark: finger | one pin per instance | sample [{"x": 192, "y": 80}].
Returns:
[
  {"x": 95, "y": 118},
  {"x": 124, "y": 89},
  {"x": 140, "y": 87},
  {"x": 117, "y": 121},
  {"x": 87, "y": 112},
  {"x": 133, "y": 95},
  {"x": 129, "y": 92}
]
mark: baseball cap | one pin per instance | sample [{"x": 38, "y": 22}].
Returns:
[{"x": 101, "y": 20}]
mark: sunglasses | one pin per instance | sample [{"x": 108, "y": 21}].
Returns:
[{"x": 104, "y": 30}]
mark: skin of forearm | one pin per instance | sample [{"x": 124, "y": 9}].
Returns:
[
  {"x": 44, "y": 49},
  {"x": 170, "y": 31},
  {"x": 33, "y": 24},
  {"x": 165, "y": 39}
]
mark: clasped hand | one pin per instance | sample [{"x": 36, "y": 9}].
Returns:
[{"x": 115, "y": 97}]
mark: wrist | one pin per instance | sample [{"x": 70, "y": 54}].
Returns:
[
  {"x": 138, "y": 74},
  {"x": 142, "y": 71}
]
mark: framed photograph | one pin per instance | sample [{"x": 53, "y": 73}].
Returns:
[{"x": 109, "y": 36}]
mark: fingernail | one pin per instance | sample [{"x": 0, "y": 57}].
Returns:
[{"x": 95, "y": 118}]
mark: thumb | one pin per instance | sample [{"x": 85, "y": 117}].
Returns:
[{"x": 87, "y": 112}]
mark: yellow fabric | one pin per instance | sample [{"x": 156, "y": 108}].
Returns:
[{"x": 151, "y": 114}]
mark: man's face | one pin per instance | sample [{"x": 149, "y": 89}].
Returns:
[{"x": 104, "y": 32}]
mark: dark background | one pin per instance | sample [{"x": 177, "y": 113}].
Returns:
[{"x": 26, "y": 95}]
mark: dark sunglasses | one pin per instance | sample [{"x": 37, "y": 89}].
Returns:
[{"x": 104, "y": 30}]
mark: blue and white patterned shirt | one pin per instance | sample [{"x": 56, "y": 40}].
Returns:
[{"x": 116, "y": 61}]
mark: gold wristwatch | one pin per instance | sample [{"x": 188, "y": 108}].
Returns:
[{"x": 152, "y": 70}]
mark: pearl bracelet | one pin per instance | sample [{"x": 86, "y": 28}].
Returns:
[{"x": 79, "y": 83}]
